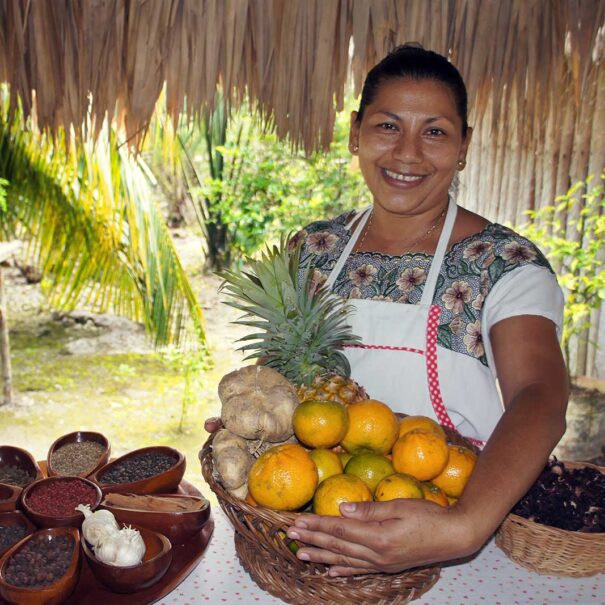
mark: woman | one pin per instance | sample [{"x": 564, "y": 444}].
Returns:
[{"x": 444, "y": 303}]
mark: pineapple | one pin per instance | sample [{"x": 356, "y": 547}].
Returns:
[{"x": 300, "y": 332}]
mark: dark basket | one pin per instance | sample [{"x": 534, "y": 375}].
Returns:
[{"x": 550, "y": 550}]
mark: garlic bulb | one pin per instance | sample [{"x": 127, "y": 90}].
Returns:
[
  {"x": 131, "y": 547},
  {"x": 97, "y": 526},
  {"x": 106, "y": 551}
]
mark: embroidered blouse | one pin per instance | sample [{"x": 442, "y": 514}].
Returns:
[{"x": 486, "y": 277}]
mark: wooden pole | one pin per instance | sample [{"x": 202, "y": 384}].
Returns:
[
  {"x": 7, "y": 249},
  {"x": 7, "y": 375}
]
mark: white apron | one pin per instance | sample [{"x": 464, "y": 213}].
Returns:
[{"x": 399, "y": 363}]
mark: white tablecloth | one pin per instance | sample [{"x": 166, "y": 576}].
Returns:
[{"x": 489, "y": 579}]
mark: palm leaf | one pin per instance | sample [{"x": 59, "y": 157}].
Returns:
[{"x": 93, "y": 229}]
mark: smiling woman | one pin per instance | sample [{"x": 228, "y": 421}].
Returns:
[{"x": 445, "y": 304}]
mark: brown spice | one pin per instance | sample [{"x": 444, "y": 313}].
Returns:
[
  {"x": 77, "y": 458},
  {"x": 154, "y": 503}
]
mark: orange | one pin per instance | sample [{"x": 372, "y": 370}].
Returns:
[
  {"x": 337, "y": 489},
  {"x": 454, "y": 477},
  {"x": 420, "y": 453},
  {"x": 327, "y": 462},
  {"x": 373, "y": 427},
  {"x": 344, "y": 458},
  {"x": 409, "y": 423},
  {"x": 283, "y": 478},
  {"x": 320, "y": 423},
  {"x": 398, "y": 485},
  {"x": 434, "y": 494},
  {"x": 370, "y": 468}
]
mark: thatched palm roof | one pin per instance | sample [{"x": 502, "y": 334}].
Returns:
[{"x": 291, "y": 56}]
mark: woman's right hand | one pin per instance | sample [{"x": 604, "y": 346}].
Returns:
[{"x": 213, "y": 424}]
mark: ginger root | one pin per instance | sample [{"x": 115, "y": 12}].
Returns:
[
  {"x": 232, "y": 460},
  {"x": 258, "y": 403}
]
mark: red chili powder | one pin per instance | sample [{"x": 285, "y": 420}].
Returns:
[{"x": 60, "y": 498}]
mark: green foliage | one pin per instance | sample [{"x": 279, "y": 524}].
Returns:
[
  {"x": 247, "y": 186},
  {"x": 576, "y": 249},
  {"x": 3, "y": 186},
  {"x": 92, "y": 227}
]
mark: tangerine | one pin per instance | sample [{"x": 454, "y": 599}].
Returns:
[
  {"x": 283, "y": 478},
  {"x": 409, "y": 423},
  {"x": 434, "y": 494},
  {"x": 344, "y": 458},
  {"x": 370, "y": 468},
  {"x": 454, "y": 477},
  {"x": 320, "y": 423},
  {"x": 398, "y": 485},
  {"x": 337, "y": 489},
  {"x": 327, "y": 462},
  {"x": 420, "y": 453},
  {"x": 373, "y": 427}
]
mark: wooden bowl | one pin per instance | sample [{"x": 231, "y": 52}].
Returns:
[
  {"x": 156, "y": 561},
  {"x": 53, "y": 594},
  {"x": 9, "y": 494},
  {"x": 15, "y": 456},
  {"x": 177, "y": 526},
  {"x": 12, "y": 518},
  {"x": 44, "y": 520},
  {"x": 79, "y": 437},
  {"x": 163, "y": 482}
]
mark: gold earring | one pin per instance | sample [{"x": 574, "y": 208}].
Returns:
[
  {"x": 355, "y": 148},
  {"x": 461, "y": 164}
]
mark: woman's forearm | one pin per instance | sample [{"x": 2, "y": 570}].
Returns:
[{"x": 531, "y": 426}]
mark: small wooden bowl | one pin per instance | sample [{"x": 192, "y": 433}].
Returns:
[
  {"x": 9, "y": 494},
  {"x": 156, "y": 561},
  {"x": 166, "y": 481},
  {"x": 11, "y": 455},
  {"x": 12, "y": 518},
  {"x": 177, "y": 526},
  {"x": 43, "y": 520},
  {"x": 79, "y": 437},
  {"x": 53, "y": 594}
]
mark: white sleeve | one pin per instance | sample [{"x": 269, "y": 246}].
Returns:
[{"x": 528, "y": 290}]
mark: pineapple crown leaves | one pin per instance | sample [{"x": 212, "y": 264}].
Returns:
[{"x": 298, "y": 331}]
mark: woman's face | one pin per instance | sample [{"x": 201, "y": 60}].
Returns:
[{"x": 410, "y": 142}]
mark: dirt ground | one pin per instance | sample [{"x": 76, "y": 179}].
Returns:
[{"x": 82, "y": 371}]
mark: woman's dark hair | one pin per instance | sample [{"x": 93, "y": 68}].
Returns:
[{"x": 414, "y": 62}]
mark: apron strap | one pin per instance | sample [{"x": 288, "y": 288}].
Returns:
[
  {"x": 431, "y": 281},
  {"x": 365, "y": 215}
]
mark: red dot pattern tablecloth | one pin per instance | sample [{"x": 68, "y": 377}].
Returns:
[{"x": 488, "y": 579}]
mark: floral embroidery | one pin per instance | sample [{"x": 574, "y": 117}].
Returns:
[
  {"x": 516, "y": 252},
  {"x": 410, "y": 278},
  {"x": 476, "y": 249},
  {"x": 470, "y": 270},
  {"x": 322, "y": 242},
  {"x": 473, "y": 340},
  {"x": 457, "y": 296},
  {"x": 363, "y": 275}
]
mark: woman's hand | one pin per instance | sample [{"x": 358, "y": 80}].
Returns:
[{"x": 384, "y": 536}]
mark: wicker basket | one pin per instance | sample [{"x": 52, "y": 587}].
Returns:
[
  {"x": 274, "y": 567},
  {"x": 550, "y": 550}
]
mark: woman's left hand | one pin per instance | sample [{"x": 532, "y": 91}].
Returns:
[{"x": 374, "y": 537}]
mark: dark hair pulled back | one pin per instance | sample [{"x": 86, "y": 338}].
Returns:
[{"x": 414, "y": 62}]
